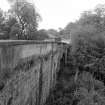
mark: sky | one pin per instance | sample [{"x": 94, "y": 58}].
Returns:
[{"x": 58, "y": 13}]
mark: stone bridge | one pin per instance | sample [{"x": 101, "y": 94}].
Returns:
[{"x": 28, "y": 70}]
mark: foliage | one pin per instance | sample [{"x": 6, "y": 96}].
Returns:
[
  {"x": 88, "y": 43},
  {"x": 53, "y": 32},
  {"x": 84, "y": 73},
  {"x": 38, "y": 35},
  {"x": 26, "y": 15},
  {"x": 88, "y": 40},
  {"x": 7, "y": 24},
  {"x": 20, "y": 22},
  {"x": 90, "y": 91}
]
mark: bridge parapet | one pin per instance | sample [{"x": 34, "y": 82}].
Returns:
[{"x": 28, "y": 70}]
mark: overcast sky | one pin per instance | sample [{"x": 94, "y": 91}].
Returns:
[{"x": 58, "y": 13}]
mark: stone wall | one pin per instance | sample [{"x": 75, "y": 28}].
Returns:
[{"x": 27, "y": 71}]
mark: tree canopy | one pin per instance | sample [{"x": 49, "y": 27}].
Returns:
[
  {"x": 20, "y": 21},
  {"x": 88, "y": 56}
]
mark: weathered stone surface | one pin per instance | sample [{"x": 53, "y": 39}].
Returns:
[
  {"x": 27, "y": 85},
  {"x": 20, "y": 87}
]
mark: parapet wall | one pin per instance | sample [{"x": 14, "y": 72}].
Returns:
[{"x": 28, "y": 71}]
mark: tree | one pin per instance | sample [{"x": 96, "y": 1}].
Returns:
[
  {"x": 9, "y": 26},
  {"x": 39, "y": 35},
  {"x": 2, "y": 19},
  {"x": 5, "y": 25},
  {"x": 26, "y": 16},
  {"x": 88, "y": 51},
  {"x": 88, "y": 39},
  {"x": 53, "y": 32}
]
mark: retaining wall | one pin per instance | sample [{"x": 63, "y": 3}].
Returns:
[{"x": 28, "y": 71}]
